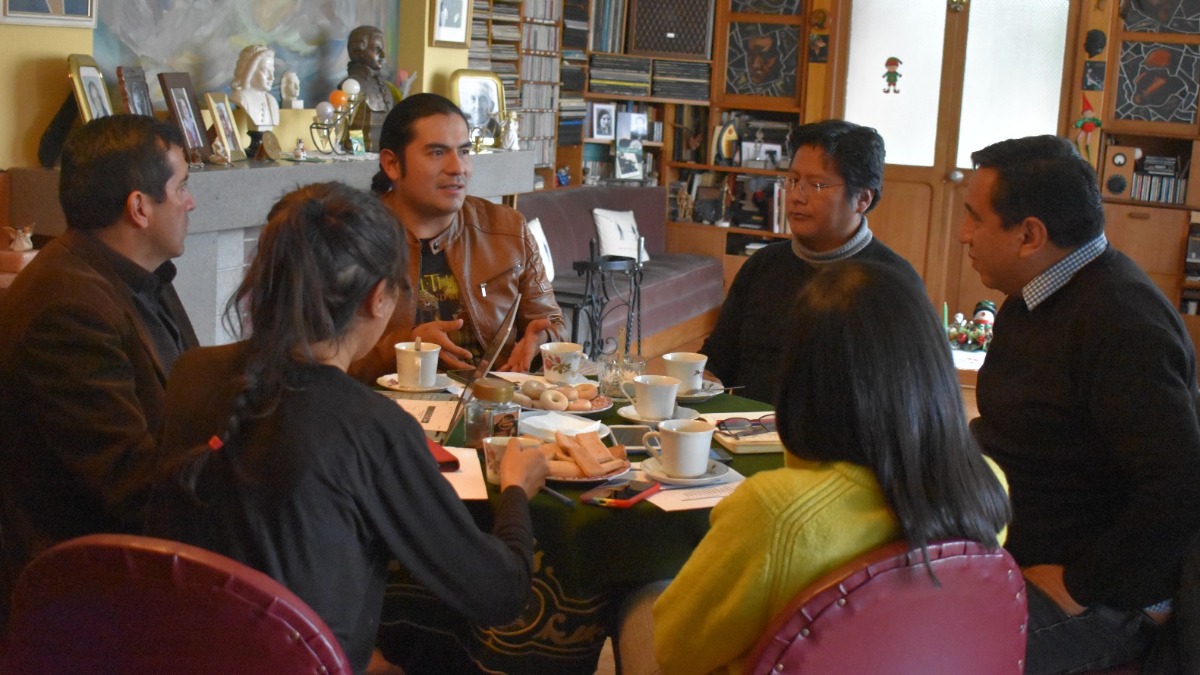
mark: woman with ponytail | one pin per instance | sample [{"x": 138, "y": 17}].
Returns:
[{"x": 292, "y": 467}]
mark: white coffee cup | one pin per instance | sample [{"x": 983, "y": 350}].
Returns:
[
  {"x": 688, "y": 368},
  {"x": 415, "y": 368},
  {"x": 493, "y": 452},
  {"x": 682, "y": 448},
  {"x": 653, "y": 396},
  {"x": 561, "y": 362}
]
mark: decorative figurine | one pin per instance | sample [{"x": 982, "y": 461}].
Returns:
[
  {"x": 300, "y": 153},
  {"x": 367, "y": 52},
  {"x": 562, "y": 176},
  {"x": 252, "y": 80},
  {"x": 974, "y": 335},
  {"x": 985, "y": 312},
  {"x": 511, "y": 140},
  {"x": 1086, "y": 124},
  {"x": 893, "y": 78},
  {"x": 20, "y": 239},
  {"x": 289, "y": 89}
]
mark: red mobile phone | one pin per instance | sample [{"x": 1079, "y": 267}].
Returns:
[{"x": 620, "y": 496}]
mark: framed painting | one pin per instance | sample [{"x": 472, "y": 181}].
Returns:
[
  {"x": 1157, "y": 82},
  {"x": 227, "y": 131},
  {"x": 135, "y": 93},
  {"x": 185, "y": 111},
  {"x": 91, "y": 94},
  {"x": 480, "y": 95},
  {"x": 72, "y": 13},
  {"x": 762, "y": 62},
  {"x": 777, "y": 7},
  {"x": 450, "y": 23}
]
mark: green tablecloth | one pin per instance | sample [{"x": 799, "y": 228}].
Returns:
[{"x": 587, "y": 558}]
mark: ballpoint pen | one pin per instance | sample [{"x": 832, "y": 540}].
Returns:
[{"x": 559, "y": 496}]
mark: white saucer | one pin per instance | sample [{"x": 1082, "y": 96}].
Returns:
[
  {"x": 440, "y": 383},
  {"x": 708, "y": 389},
  {"x": 716, "y": 470},
  {"x": 630, "y": 413},
  {"x": 574, "y": 379}
]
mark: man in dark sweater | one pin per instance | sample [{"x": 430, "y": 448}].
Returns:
[
  {"x": 1087, "y": 401},
  {"x": 836, "y": 177}
]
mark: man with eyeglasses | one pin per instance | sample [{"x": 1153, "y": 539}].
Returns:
[{"x": 836, "y": 177}]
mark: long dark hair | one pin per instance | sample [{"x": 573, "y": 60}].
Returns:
[
  {"x": 869, "y": 380},
  {"x": 325, "y": 246}
]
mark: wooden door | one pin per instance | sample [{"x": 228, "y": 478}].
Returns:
[{"x": 921, "y": 207}]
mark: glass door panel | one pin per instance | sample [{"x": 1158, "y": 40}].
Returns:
[
  {"x": 899, "y": 99},
  {"x": 1013, "y": 76}
]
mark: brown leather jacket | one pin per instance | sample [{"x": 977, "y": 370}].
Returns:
[{"x": 489, "y": 246}]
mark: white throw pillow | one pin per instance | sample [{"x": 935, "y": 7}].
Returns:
[
  {"x": 535, "y": 228},
  {"x": 618, "y": 233}
]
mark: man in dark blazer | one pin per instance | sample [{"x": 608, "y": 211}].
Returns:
[{"x": 88, "y": 334}]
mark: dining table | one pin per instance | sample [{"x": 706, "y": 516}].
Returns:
[{"x": 587, "y": 558}]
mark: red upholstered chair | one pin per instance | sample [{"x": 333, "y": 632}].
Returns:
[
  {"x": 111, "y": 603},
  {"x": 881, "y": 613}
]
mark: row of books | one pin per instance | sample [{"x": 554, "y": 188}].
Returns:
[
  {"x": 689, "y": 80},
  {"x": 551, "y": 10},
  {"x": 616, "y": 75},
  {"x": 539, "y": 37},
  {"x": 608, "y": 25},
  {"x": 1159, "y": 188},
  {"x": 539, "y": 68}
]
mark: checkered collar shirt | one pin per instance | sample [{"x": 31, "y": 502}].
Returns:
[{"x": 1047, "y": 283}]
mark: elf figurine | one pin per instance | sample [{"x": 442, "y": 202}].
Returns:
[
  {"x": 1086, "y": 124},
  {"x": 892, "y": 77}
]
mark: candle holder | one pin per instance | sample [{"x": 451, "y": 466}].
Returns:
[{"x": 333, "y": 136}]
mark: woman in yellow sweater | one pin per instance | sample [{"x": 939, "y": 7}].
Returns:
[{"x": 877, "y": 450}]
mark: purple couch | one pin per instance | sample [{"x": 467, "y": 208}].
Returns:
[{"x": 680, "y": 291}]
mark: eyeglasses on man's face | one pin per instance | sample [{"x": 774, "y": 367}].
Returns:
[
  {"x": 804, "y": 185},
  {"x": 741, "y": 426}
]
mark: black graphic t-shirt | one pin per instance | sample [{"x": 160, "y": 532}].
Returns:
[{"x": 439, "y": 299}]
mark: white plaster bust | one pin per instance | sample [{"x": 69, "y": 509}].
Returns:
[
  {"x": 252, "y": 80},
  {"x": 289, "y": 89}
]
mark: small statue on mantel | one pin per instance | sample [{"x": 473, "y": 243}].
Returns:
[
  {"x": 252, "y": 80},
  {"x": 20, "y": 239},
  {"x": 684, "y": 205},
  {"x": 511, "y": 139},
  {"x": 367, "y": 51},
  {"x": 289, "y": 89}
]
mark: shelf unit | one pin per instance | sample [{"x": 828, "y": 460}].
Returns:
[{"x": 1150, "y": 151}]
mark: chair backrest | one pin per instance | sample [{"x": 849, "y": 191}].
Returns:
[
  {"x": 881, "y": 613},
  {"x": 111, "y": 603}
]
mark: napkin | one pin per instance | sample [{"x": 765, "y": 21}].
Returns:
[{"x": 543, "y": 426}]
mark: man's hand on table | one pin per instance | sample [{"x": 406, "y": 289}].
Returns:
[
  {"x": 1049, "y": 578},
  {"x": 438, "y": 332},
  {"x": 527, "y": 347},
  {"x": 523, "y": 467}
]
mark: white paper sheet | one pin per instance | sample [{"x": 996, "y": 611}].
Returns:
[
  {"x": 468, "y": 481},
  {"x": 675, "y": 498},
  {"x": 432, "y": 415}
]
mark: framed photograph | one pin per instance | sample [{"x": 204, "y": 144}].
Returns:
[
  {"x": 227, "y": 132},
  {"x": 91, "y": 94},
  {"x": 604, "y": 117},
  {"x": 135, "y": 93},
  {"x": 761, "y": 62},
  {"x": 73, "y": 13},
  {"x": 185, "y": 111},
  {"x": 480, "y": 95},
  {"x": 449, "y": 23},
  {"x": 759, "y": 155},
  {"x": 630, "y": 158},
  {"x": 632, "y": 125}
]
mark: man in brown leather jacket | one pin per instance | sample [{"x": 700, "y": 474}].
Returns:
[{"x": 468, "y": 257}]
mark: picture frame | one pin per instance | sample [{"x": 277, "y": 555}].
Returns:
[
  {"x": 604, "y": 117},
  {"x": 757, "y": 155},
  {"x": 632, "y": 125},
  {"x": 221, "y": 113},
  {"x": 450, "y": 23},
  {"x": 762, "y": 65},
  {"x": 629, "y": 159},
  {"x": 185, "y": 111},
  {"x": 70, "y": 13},
  {"x": 480, "y": 95},
  {"x": 135, "y": 92},
  {"x": 91, "y": 94}
]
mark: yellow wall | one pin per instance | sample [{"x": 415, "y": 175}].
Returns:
[
  {"x": 33, "y": 84},
  {"x": 434, "y": 64}
]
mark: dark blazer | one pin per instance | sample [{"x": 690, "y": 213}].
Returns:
[{"x": 81, "y": 394}]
